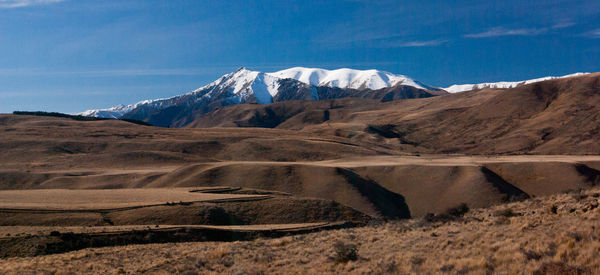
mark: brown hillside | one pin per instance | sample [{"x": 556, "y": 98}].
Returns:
[{"x": 360, "y": 153}]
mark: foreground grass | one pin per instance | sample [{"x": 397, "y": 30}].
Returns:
[{"x": 552, "y": 235}]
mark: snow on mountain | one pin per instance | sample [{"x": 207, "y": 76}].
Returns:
[
  {"x": 243, "y": 83},
  {"x": 348, "y": 78},
  {"x": 502, "y": 85},
  {"x": 114, "y": 112}
]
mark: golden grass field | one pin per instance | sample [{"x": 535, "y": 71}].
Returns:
[{"x": 103, "y": 199}]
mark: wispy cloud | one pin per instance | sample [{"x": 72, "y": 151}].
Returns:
[
  {"x": 592, "y": 34},
  {"x": 563, "y": 25},
  {"x": 384, "y": 41},
  {"x": 499, "y": 31},
  {"x": 395, "y": 42},
  {"x": 428, "y": 43},
  {"x": 9, "y": 4}
]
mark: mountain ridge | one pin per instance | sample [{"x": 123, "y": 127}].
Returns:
[
  {"x": 297, "y": 83},
  {"x": 349, "y": 78},
  {"x": 246, "y": 86}
]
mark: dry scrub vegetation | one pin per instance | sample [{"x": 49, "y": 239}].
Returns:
[{"x": 558, "y": 234}]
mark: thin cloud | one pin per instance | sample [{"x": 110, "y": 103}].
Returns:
[
  {"x": 494, "y": 32},
  {"x": 10, "y": 4},
  {"x": 563, "y": 25},
  {"x": 402, "y": 43},
  {"x": 429, "y": 43},
  {"x": 388, "y": 42},
  {"x": 592, "y": 34}
]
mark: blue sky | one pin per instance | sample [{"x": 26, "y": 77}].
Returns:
[{"x": 73, "y": 55}]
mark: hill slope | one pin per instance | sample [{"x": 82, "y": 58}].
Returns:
[{"x": 369, "y": 176}]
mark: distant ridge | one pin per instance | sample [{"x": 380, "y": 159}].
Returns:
[
  {"x": 76, "y": 117},
  {"x": 502, "y": 85}
]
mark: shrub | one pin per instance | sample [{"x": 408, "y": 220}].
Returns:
[
  {"x": 531, "y": 255},
  {"x": 449, "y": 215},
  {"x": 345, "y": 252},
  {"x": 458, "y": 211},
  {"x": 507, "y": 212},
  {"x": 554, "y": 209}
]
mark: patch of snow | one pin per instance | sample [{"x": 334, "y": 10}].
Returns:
[{"x": 264, "y": 88}]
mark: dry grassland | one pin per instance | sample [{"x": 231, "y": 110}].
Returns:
[
  {"x": 558, "y": 234},
  {"x": 64, "y": 199}
]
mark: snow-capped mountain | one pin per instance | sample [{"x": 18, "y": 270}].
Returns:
[
  {"x": 502, "y": 85},
  {"x": 246, "y": 86},
  {"x": 348, "y": 78}
]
